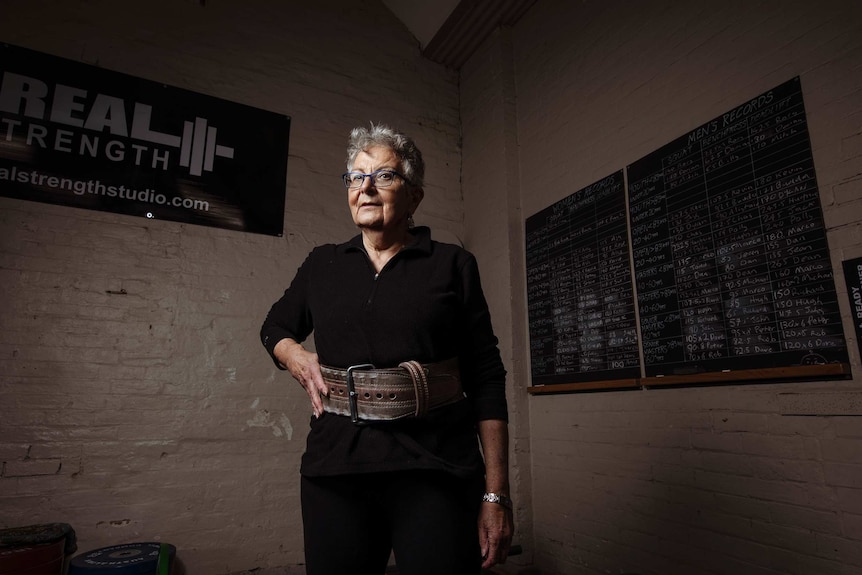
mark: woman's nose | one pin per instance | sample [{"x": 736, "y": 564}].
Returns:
[{"x": 367, "y": 185}]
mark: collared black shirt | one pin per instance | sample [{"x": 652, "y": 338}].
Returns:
[{"x": 426, "y": 305}]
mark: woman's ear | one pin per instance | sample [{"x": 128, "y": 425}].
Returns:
[{"x": 417, "y": 194}]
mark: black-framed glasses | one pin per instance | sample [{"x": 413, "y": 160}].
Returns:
[{"x": 379, "y": 178}]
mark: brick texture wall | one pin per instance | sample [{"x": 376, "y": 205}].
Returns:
[
  {"x": 761, "y": 479},
  {"x": 136, "y": 402}
]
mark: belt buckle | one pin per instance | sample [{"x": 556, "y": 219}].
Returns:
[{"x": 351, "y": 390}]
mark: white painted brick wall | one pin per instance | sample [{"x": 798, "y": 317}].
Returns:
[
  {"x": 714, "y": 480},
  {"x": 136, "y": 402},
  {"x": 493, "y": 234}
]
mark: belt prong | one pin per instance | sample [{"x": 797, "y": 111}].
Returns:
[{"x": 351, "y": 390}]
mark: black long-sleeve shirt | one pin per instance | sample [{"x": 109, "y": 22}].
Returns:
[{"x": 426, "y": 305}]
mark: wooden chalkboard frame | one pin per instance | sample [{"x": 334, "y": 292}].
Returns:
[{"x": 804, "y": 372}]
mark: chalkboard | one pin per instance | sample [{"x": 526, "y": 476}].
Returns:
[
  {"x": 732, "y": 275},
  {"x": 579, "y": 288},
  {"x": 732, "y": 268}
]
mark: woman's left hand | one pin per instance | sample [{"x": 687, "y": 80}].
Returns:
[
  {"x": 495, "y": 533},
  {"x": 495, "y": 520}
]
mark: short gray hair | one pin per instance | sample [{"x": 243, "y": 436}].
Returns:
[{"x": 412, "y": 165}]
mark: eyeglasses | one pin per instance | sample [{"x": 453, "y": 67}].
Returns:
[{"x": 379, "y": 179}]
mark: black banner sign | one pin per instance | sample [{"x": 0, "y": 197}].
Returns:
[
  {"x": 78, "y": 135},
  {"x": 853, "y": 280}
]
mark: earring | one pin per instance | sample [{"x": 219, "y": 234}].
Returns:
[{"x": 410, "y": 222}]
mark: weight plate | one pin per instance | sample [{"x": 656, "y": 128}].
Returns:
[{"x": 129, "y": 559}]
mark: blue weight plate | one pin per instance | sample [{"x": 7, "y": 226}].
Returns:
[{"x": 128, "y": 559}]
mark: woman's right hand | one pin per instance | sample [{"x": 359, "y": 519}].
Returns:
[{"x": 304, "y": 366}]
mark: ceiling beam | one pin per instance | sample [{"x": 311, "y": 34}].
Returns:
[{"x": 469, "y": 24}]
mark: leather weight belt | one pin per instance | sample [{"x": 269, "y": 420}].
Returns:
[{"x": 409, "y": 390}]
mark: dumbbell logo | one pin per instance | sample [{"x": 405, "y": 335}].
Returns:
[{"x": 197, "y": 145}]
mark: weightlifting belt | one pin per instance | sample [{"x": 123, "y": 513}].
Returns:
[{"x": 409, "y": 390}]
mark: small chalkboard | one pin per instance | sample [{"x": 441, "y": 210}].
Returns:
[
  {"x": 579, "y": 288},
  {"x": 731, "y": 263}
]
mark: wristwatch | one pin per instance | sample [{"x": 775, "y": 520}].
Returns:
[{"x": 498, "y": 498}]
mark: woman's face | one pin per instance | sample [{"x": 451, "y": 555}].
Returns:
[{"x": 384, "y": 209}]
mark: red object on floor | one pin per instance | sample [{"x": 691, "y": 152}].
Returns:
[{"x": 40, "y": 559}]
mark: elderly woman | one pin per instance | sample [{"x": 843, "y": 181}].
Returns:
[{"x": 406, "y": 374}]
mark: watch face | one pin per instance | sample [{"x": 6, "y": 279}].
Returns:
[{"x": 497, "y": 498}]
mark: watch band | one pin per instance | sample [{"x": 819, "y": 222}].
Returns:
[{"x": 498, "y": 498}]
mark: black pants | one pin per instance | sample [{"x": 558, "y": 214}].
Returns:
[{"x": 429, "y": 520}]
